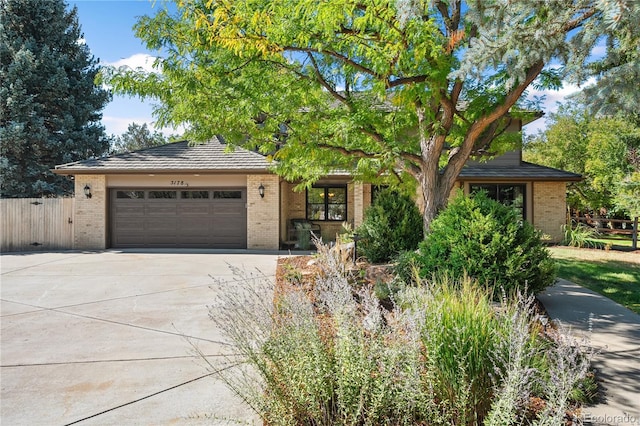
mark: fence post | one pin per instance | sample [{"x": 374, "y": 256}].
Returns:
[{"x": 634, "y": 244}]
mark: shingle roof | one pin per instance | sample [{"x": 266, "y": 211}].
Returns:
[
  {"x": 173, "y": 157},
  {"x": 525, "y": 171}
]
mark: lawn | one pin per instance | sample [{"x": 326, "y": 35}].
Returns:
[
  {"x": 613, "y": 274},
  {"x": 618, "y": 242}
]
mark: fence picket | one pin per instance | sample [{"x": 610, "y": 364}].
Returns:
[{"x": 36, "y": 224}]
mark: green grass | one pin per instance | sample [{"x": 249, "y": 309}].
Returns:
[
  {"x": 617, "y": 242},
  {"x": 617, "y": 279}
]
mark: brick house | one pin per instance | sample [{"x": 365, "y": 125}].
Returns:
[{"x": 200, "y": 196}]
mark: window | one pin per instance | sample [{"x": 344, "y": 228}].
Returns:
[
  {"x": 163, "y": 194},
  {"x": 327, "y": 203},
  {"x": 227, "y": 194},
  {"x": 130, "y": 194},
  {"x": 194, "y": 194},
  {"x": 508, "y": 194}
]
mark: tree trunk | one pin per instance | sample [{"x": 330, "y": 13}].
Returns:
[
  {"x": 434, "y": 191},
  {"x": 436, "y": 184}
]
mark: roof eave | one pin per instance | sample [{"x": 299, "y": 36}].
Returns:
[
  {"x": 519, "y": 179},
  {"x": 89, "y": 171}
]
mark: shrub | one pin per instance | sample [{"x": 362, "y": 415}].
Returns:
[
  {"x": 580, "y": 235},
  {"x": 488, "y": 241},
  {"x": 443, "y": 356},
  {"x": 392, "y": 224}
]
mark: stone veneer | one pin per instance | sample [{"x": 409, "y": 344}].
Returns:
[
  {"x": 549, "y": 208},
  {"x": 263, "y": 214},
  {"x": 90, "y": 227}
]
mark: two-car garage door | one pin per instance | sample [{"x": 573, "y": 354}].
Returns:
[{"x": 180, "y": 218}]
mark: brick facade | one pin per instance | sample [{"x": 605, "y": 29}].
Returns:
[
  {"x": 549, "y": 208},
  {"x": 268, "y": 218},
  {"x": 358, "y": 204},
  {"x": 90, "y": 227},
  {"x": 263, "y": 214}
]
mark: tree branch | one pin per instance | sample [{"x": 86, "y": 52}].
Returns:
[
  {"x": 572, "y": 25},
  {"x": 457, "y": 160},
  {"x": 349, "y": 152},
  {"x": 338, "y": 56},
  {"x": 324, "y": 82},
  {"x": 406, "y": 80}
]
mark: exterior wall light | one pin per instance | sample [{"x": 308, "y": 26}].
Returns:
[
  {"x": 87, "y": 191},
  {"x": 261, "y": 190}
]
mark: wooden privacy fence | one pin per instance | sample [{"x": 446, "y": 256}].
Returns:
[
  {"x": 36, "y": 224},
  {"x": 612, "y": 226}
]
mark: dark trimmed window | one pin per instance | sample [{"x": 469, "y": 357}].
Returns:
[
  {"x": 130, "y": 194},
  {"x": 162, "y": 194},
  {"x": 509, "y": 194},
  {"x": 194, "y": 195},
  {"x": 227, "y": 194},
  {"x": 327, "y": 202}
]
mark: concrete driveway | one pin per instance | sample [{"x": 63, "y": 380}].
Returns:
[{"x": 98, "y": 338}]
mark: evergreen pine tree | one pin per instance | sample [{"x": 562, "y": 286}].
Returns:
[{"x": 50, "y": 108}]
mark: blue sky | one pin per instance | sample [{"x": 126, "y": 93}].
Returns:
[{"x": 108, "y": 31}]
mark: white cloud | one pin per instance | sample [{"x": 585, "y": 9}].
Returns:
[
  {"x": 138, "y": 60},
  {"x": 552, "y": 99},
  {"x": 599, "y": 50},
  {"x": 118, "y": 125}
]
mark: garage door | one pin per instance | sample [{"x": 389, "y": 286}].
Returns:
[{"x": 193, "y": 218}]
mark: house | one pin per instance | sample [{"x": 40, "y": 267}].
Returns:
[
  {"x": 539, "y": 192},
  {"x": 201, "y": 196}
]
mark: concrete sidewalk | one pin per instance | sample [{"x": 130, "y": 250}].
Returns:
[
  {"x": 613, "y": 330},
  {"x": 98, "y": 338}
]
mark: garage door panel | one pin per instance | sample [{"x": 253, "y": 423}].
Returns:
[
  {"x": 129, "y": 209},
  {"x": 194, "y": 241},
  {"x": 229, "y": 209},
  {"x": 202, "y": 223},
  {"x": 181, "y": 222},
  {"x": 163, "y": 226},
  {"x": 132, "y": 224},
  {"x": 227, "y": 242},
  {"x": 158, "y": 209},
  {"x": 195, "y": 209},
  {"x": 193, "y": 229},
  {"x": 230, "y": 229},
  {"x": 131, "y": 240},
  {"x": 167, "y": 239}
]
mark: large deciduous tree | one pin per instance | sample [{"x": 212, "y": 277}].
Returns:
[
  {"x": 604, "y": 149},
  {"x": 138, "y": 137},
  {"x": 403, "y": 90},
  {"x": 49, "y": 104}
]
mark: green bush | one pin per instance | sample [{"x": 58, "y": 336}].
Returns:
[
  {"x": 392, "y": 224},
  {"x": 488, "y": 241}
]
